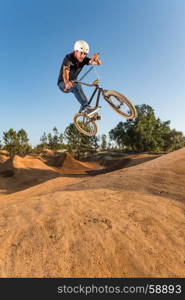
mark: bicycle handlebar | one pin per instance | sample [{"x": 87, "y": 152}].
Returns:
[
  {"x": 88, "y": 84},
  {"x": 95, "y": 82}
]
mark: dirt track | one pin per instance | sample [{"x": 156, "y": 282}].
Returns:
[{"x": 57, "y": 220}]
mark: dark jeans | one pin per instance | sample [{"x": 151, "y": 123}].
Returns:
[{"x": 77, "y": 91}]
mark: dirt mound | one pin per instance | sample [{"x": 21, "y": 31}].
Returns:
[
  {"x": 91, "y": 233},
  {"x": 114, "y": 162},
  {"x": 18, "y": 163},
  {"x": 46, "y": 152},
  {"x": 3, "y": 156},
  {"x": 4, "y": 152},
  {"x": 140, "y": 159},
  {"x": 6, "y": 168},
  {"x": 111, "y": 165},
  {"x": 73, "y": 166},
  {"x": 24, "y": 172},
  {"x": 64, "y": 163},
  {"x": 164, "y": 175},
  {"x": 54, "y": 160},
  {"x": 127, "y": 223}
]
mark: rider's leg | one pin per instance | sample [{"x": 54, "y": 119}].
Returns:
[
  {"x": 80, "y": 96},
  {"x": 77, "y": 91}
]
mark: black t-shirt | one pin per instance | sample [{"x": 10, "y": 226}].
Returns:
[{"x": 74, "y": 65}]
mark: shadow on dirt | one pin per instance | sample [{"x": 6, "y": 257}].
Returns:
[{"x": 14, "y": 179}]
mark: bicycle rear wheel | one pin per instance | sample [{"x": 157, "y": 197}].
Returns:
[
  {"x": 121, "y": 104},
  {"x": 84, "y": 124}
]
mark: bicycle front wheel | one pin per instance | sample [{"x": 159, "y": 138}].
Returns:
[
  {"x": 121, "y": 104},
  {"x": 84, "y": 124}
]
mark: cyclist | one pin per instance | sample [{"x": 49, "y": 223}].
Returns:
[{"x": 71, "y": 67}]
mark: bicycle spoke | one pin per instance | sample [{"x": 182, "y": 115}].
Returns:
[
  {"x": 85, "y": 125},
  {"x": 121, "y": 104}
]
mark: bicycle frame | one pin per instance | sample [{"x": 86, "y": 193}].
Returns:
[
  {"x": 97, "y": 88},
  {"x": 86, "y": 123},
  {"x": 95, "y": 84}
]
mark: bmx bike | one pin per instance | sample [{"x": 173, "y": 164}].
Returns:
[{"x": 86, "y": 123}]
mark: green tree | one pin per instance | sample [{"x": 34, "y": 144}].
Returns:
[
  {"x": 103, "y": 145},
  {"x": 44, "y": 141},
  {"x": 118, "y": 134},
  {"x": 145, "y": 132},
  {"x": 23, "y": 145},
  {"x": 94, "y": 142},
  {"x": 79, "y": 142},
  {"x": 55, "y": 141},
  {"x": 11, "y": 141},
  {"x": 174, "y": 140},
  {"x": 16, "y": 142}
]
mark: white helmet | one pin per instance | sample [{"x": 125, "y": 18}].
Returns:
[{"x": 81, "y": 46}]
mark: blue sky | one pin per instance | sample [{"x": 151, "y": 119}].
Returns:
[{"x": 141, "y": 44}]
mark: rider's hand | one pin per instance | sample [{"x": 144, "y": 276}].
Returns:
[
  {"x": 68, "y": 85},
  {"x": 95, "y": 59}
]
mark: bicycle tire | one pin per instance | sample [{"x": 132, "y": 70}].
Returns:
[
  {"x": 121, "y": 99},
  {"x": 85, "y": 125}
]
